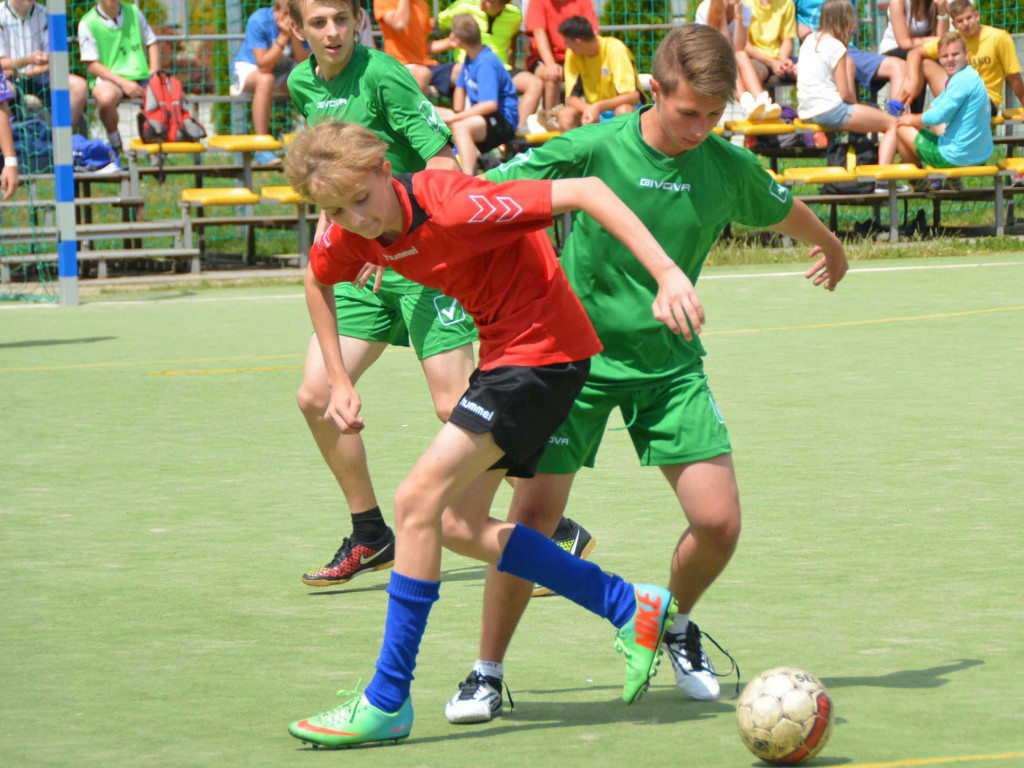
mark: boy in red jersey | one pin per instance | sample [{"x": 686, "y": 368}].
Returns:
[{"x": 483, "y": 244}]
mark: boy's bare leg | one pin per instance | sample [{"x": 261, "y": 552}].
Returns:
[
  {"x": 537, "y": 503},
  {"x": 261, "y": 85},
  {"x": 107, "y": 96},
  {"x": 530, "y": 89},
  {"x": 455, "y": 462},
  {"x": 447, "y": 375}
]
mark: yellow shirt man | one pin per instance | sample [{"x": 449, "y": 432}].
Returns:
[
  {"x": 595, "y": 78},
  {"x": 771, "y": 22},
  {"x": 992, "y": 54}
]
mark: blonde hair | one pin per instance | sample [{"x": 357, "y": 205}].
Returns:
[
  {"x": 952, "y": 37},
  {"x": 466, "y": 29},
  {"x": 701, "y": 56},
  {"x": 328, "y": 157},
  {"x": 295, "y": 7},
  {"x": 839, "y": 19}
]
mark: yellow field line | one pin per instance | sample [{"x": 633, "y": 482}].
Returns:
[
  {"x": 212, "y": 371},
  {"x": 738, "y": 331},
  {"x": 938, "y": 760},
  {"x": 876, "y": 321},
  {"x": 115, "y": 364}
]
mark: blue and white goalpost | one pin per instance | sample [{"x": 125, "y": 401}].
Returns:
[{"x": 63, "y": 164}]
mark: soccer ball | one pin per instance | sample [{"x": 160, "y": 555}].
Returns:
[{"x": 784, "y": 716}]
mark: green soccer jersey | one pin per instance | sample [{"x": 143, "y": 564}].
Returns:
[
  {"x": 376, "y": 91},
  {"x": 685, "y": 201}
]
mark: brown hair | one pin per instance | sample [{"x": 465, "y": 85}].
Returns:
[
  {"x": 701, "y": 56},
  {"x": 326, "y": 157},
  {"x": 839, "y": 19},
  {"x": 466, "y": 29},
  {"x": 956, "y": 7},
  {"x": 295, "y": 7},
  {"x": 952, "y": 37}
]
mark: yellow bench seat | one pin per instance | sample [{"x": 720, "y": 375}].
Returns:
[
  {"x": 282, "y": 194},
  {"x": 964, "y": 172},
  {"x": 819, "y": 174},
  {"x": 219, "y": 196},
  {"x": 247, "y": 143},
  {"x": 1015, "y": 164},
  {"x": 167, "y": 147},
  {"x": 893, "y": 171},
  {"x": 760, "y": 127}
]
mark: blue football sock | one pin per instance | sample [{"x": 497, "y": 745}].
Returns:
[
  {"x": 409, "y": 604},
  {"x": 533, "y": 556}
]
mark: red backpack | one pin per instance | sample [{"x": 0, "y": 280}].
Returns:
[{"x": 163, "y": 116}]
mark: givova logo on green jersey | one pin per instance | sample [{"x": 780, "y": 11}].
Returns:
[
  {"x": 331, "y": 104},
  {"x": 428, "y": 113}
]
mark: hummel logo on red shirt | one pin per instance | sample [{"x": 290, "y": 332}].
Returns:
[
  {"x": 510, "y": 209},
  {"x": 400, "y": 254}
]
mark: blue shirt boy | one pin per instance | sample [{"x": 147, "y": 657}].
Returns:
[
  {"x": 260, "y": 32},
  {"x": 486, "y": 79},
  {"x": 964, "y": 108}
]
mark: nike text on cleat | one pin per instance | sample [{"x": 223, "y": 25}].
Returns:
[
  {"x": 477, "y": 700},
  {"x": 353, "y": 558},
  {"x": 354, "y": 722},
  {"x": 639, "y": 639},
  {"x": 574, "y": 539},
  {"x": 695, "y": 675}
]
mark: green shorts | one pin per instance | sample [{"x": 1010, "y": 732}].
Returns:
[
  {"x": 673, "y": 422},
  {"x": 926, "y": 144},
  {"x": 433, "y": 322}
]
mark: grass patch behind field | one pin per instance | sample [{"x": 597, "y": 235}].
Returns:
[{"x": 155, "y": 527}]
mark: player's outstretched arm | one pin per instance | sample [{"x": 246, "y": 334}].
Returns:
[
  {"x": 676, "y": 304},
  {"x": 802, "y": 224},
  {"x": 343, "y": 408}
]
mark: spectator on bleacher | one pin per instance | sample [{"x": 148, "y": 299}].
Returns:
[
  {"x": 485, "y": 107},
  {"x": 868, "y": 69},
  {"x": 9, "y": 173},
  {"x": 732, "y": 19},
  {"x": 25, "y": 58},
  {"x": 825, "y": 88},
  {"x": 499, "y": 22},
  {"x": 912, "y": 23},
  {"x": 406, "y": 27},
  {"x": 269, "y": 52},
  {"x": 962, "y": 107},
  {"x": 600, "y": 77},
  {"x": 990, "y": 51},
  {"x": 772, "y": 36},
  {"x": 120, "y": 51},
  {"x": 547, "y": 46}
]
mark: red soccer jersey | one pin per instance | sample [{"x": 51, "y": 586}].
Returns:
[
  {"x": 549, "y": 15},
  {"x": 483, "y": 244}
]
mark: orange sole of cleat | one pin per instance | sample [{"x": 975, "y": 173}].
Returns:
[{"x": 337, "y": 582}]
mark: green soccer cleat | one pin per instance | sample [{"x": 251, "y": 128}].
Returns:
[
  {"x": 639, "y": 639},
  {"x": 355, "y": 722}
]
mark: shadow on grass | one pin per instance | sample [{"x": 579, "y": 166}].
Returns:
[
  {"x": 932, "y": 677},
  {"x": 657, "y": 708},
  {"x": 55, "y": 342},
  {"x": 469, "y": 573}
]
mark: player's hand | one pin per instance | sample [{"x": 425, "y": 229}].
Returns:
[
  {"x": 8, "y": 181},
  {"x": 590, "y": 115},
  {"x": 375, "y": 271},
  {"x": 829, "y": 269},
  {"x": 133, "y": 90},
  {"x": 677, "y": 305},
  {"x": 343, "y": 410},
  {"x": 905, "y": 119},
  {"x": 777, "y": 68},
  {"x": 39, "y": 58},
  {"x": 283, "y": 19},
  {"x": 554, "y": 73}
]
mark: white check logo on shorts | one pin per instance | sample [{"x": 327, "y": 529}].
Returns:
[{"x": 449, "y": 311}]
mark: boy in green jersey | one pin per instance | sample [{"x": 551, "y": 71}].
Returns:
[
  {"x": 343, "y": 80},
  {"x": 120, "y": 53},
  {"x": 686, "y": 185}
]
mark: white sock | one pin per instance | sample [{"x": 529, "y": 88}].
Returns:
[
  {"x": 114, "y": 138},
  {"x": 489, "y": 668},
  {"x": 680, "y": 623}
]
